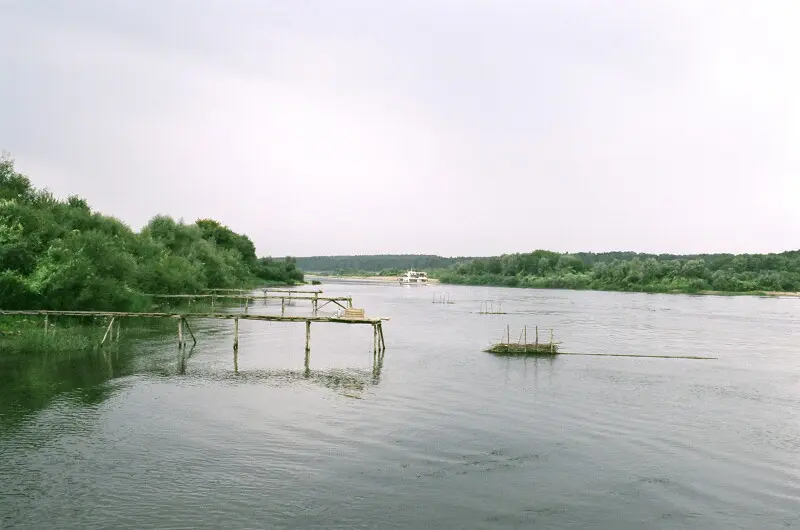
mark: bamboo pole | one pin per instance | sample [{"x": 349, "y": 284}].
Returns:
[
  {"x": 235, "y": 334},
  {"x": 180, "y": 332},
  {"x": 551, "y": 340},
  {"x": 108, "y": 330},
  {"x": 508, "y": 330},
  {"x": 537, "y": 338},
  {"x": 283, "y": 305},
  {"x": 194, "y": 340},
  {"x": 308, "y": 337}
]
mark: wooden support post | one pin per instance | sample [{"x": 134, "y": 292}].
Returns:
[
  {"x": 375, "y": 338},
  {"x": 119, "y": 328},
  {"x": 213, "y": 297},
  {"x": 537, "y": 338},
  {"x": 236, "y": 361},
  {"x": 246, "y": 305},
  {"x": 46, "y": 323},
  {"x": 308, "y": 337},
  {"x": 180, "y": 332},
  {"x": 108, "y": 330},
  {"x": 508, "y": 332},
  {"x": 194, "y": 340},
  {"x": 235, "y": 334},
  {"x": 283, "y": 305},
  {"x": 525, "y": 337},
  {"x": 380, "y": 336},
  {"x": 551, "y": 341}
]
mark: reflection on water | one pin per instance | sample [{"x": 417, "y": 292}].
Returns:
[
  {"x": 29, "y": 382},
  {"x": 343, "y": 380}
]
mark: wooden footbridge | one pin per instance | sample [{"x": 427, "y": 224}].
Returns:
[
  {"x": 343, "y": 302},
  {"x": 351, "y": 316}
]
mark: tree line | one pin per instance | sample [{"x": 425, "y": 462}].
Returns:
[
  {"x": 628, "y": 271},
  {"x": 59, "y": 254},
  {"x": 387, "y": 264}
]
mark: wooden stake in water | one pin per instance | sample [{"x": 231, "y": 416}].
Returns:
[
  {"x": 235, "y": 334},
  {"x": 108, "y": 330},
  {"x": 383, "y": 341},
  {"x": 536, "y": 345},
  {"x": 194, "y": 340},
  {"x": 45, "y": 325},
  {"x": 180, "y": 332},
  {"x": 525, "y": 337},
  {"x": 551, "y": 341},
  {"x": 308, "y": 337}
]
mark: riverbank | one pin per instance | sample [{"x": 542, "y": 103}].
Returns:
[{"x": 642, "y": 289}]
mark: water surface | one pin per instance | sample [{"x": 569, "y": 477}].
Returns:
[{"x": 435, "y": 434}]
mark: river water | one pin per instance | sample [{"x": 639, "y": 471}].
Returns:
[{"x": 437, "y": 434}]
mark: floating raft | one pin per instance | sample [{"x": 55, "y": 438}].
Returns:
[
  {"x": 503, "y": 348},
  {"x": 522, "y": 346}
]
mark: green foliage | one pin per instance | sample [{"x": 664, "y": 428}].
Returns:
[
  {"x": 277, "y": 271},
  {"x": 627, "y": 271},
  {"x": 60, "y": 255}
]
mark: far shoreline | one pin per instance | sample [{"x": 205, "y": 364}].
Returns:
[{"x": 434, "y": 281}]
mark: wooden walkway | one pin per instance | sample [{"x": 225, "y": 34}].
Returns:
[
  {"x": 315, "y": 299},
  {"x": 264, "y": 290},
  {"x": 116, "y": 316}
]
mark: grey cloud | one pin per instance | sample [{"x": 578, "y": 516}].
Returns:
[{"x": 437, "y": 127}]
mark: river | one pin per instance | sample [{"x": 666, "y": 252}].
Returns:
[{"x": 437, "y": 434}]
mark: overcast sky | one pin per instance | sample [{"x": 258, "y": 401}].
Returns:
[{"x": 453, "y": 127}]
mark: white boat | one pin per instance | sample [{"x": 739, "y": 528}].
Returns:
[{"x": 413, "y": 277}]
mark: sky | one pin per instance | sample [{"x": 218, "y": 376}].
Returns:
[{"x": 419, "y": 126}]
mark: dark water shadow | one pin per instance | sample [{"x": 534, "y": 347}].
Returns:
[{"x": 30, "y": 382}]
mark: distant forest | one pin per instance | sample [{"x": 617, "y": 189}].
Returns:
[
  {"x": 618, "y": 271},
  {"x": 387, "y": 264}
]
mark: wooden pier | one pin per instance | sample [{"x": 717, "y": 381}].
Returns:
[
  {"x": 264, "y": 290},
  {"x": 315, "y": 299},
  {"x": 351, "y": 317}
]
